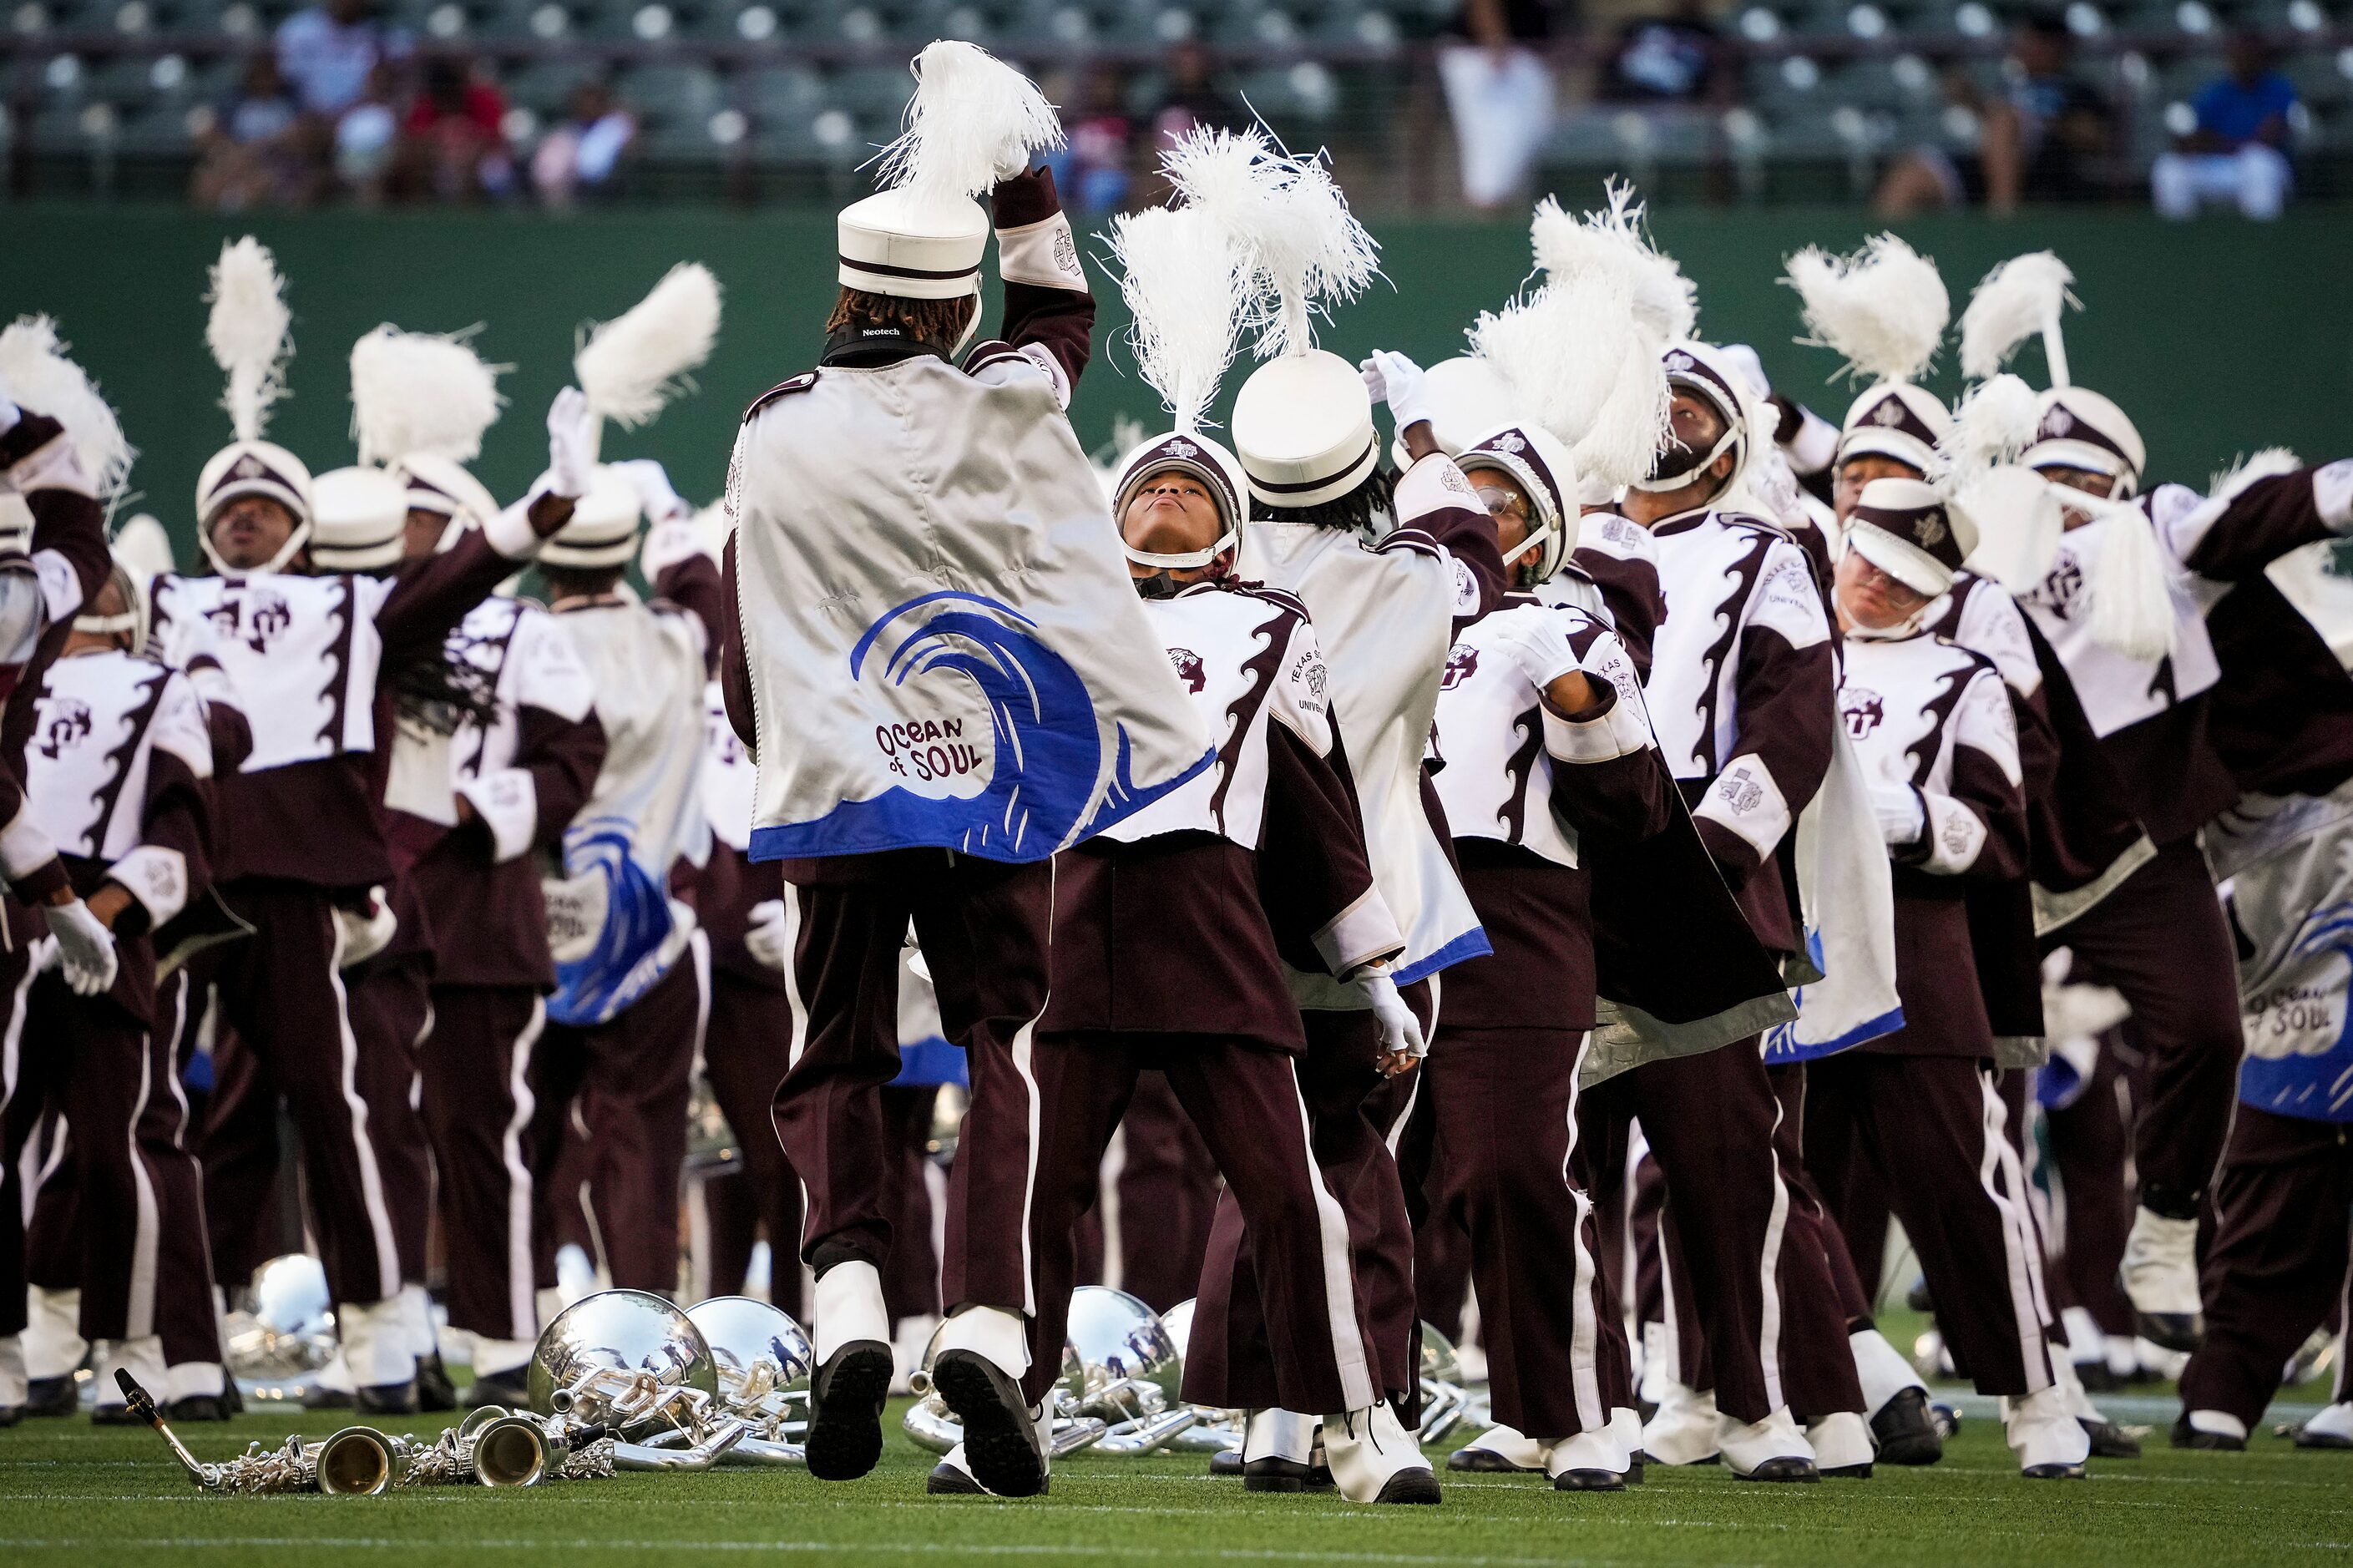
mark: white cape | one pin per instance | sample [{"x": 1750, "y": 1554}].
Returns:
[{"x": 1848, "y": 907}]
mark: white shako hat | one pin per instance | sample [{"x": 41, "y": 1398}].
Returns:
[
  {"x": 1540, "y": 464},
  {"x": 359, "y": 517},
  {"x": 1703, "y": 371},
  {"x": 1883, "y": 311},
  {"x": 1186, "y": 452},
  {"x": 1466, "y": 397},
  {"x": 1895, "y": 419},
  {"x": 248, "y": 332},
  {"x": 1302, "y": 423},
  {"x": 973, "y": 119},
  {"x": 603, "y": 527},
  {"x": 2081, "y": 430},
  {"x": 420, "y": 404},
  {"x": 1913, "y": 531}
]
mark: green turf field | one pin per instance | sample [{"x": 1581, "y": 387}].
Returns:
[{"x": 73, "y": 1493}]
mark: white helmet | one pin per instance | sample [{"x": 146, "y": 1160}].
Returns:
[
  {"x": 1708, "y": 374},
  {"x": 254, "y": 468},
  {"x": 1465, "y": 395},
  {"x": 2082, "y": 429},
  {"x": 1895, "y": 419},
  {"x": 359, "y": 519},
  {"x": 1186, "y": 452},
  {"x": 1541, "y": 465}
]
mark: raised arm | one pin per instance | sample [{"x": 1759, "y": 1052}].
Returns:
[
  {"x": 2236, "y": 533},
  {"x": 1050, "y": 316}
]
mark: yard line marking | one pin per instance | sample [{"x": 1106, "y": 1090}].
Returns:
[{"x": 920, "y": 1547}]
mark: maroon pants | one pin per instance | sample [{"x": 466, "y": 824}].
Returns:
[
  {"x": 910, "y": 1279},
  {"x": 1710, "y": 1120},
  {"x": 21, "y": 1107},
  {"x": 1247, "y": 1101},
  {"x": 1353, "y": 1110},
  {"x": 745, "y": 1052},
  {"x": 1157, "y": 1213},
  {"x": 1492, "y": 1142},
  {"x": 2091, "y": 1142},
  {"x": 987, "y": 930},
  {"x": 2160, "y": 939},
  {"x": 2278, "y": 1263},
  {"x": 285, "y": 1027},
  {"x": 630, "y": 1075},
  {"x": 136, "y": 1218},
  {"x": 478, "y": 1105},
  {"x": 1935, "y": 1131},
  {"x": 392, "y": 1014}
]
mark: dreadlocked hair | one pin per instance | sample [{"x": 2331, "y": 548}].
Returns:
[
  {"x": 931, "y": 320},
  {"x": 1369, "y": 502}
]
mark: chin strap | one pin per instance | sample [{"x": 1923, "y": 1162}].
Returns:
[
  {"x": 1185, "y": 560},
  {"x": 275, "y": 564},
  {"x": 1536, "y": 541},
  {"x": 1681, "y": 476}
]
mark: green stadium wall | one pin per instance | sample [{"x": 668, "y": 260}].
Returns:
[{"x": 2219, "y": 337}]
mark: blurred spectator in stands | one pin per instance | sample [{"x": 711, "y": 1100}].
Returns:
[
  {"x": 367, "y": 136},
  {"x": 253, "y": 153},
  {"x": 1499, "y": 92},
  {"x": 1680, "y": 58},
  {"x": 1092, "y": 173},
  {"x": 2047, "y": 137},
  {"x": 453, "y": 147},
  {"x": 2238, "y": 151},
  {"x": 1192, "y": 100},
  {"x": 578, "y": 157},
  {"x": 329, "y": 50}
]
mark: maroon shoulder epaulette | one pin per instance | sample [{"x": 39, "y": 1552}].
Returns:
[{"x": 783, "y": 388}]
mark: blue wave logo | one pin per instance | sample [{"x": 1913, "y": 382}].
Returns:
[
  {"x": 625, "y": 961},
  {"x": 2318, "y": 1086},
  {"x": 1044, "y": 754}
]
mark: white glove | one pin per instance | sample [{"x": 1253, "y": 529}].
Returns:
[
  {"x": 1903, "y": 817},
  {"x": 571, "y": 443},
  {"x": 85, "y": 947},
  {"x": 767, "y": 938},
  {"x": 1395, "y": 380},
  {"x": 652, "y": 482},
  {"x": 1400, "y": 1031},
  {"x": 1537, "y": 641}
]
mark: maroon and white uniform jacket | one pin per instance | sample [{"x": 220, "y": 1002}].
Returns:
[
  {"x": 1741, "y": 697},
  {"x": 115, "y": 774},
  {"x": 1932, "y": 725},
  {"x": 2155, "y": 716},
  {"x": 523, "y": 772},
  {"x": 1167, "y": 921},
  {"x": 53, "y": 556},
  {"x": 1613, "y": 573},
  {"x": 1522, "y": 784},
  {"x": 2085, "y": 839},
  {"x": 303, "y": 658},
  {"x": 726, "y": 890}
]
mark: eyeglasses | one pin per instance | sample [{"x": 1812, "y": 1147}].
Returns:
[{"x": 1502, "y": 503}]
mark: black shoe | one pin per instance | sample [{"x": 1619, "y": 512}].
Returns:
[
  {"x": 113, "y": 1415},
  {"x": 510, "y": 1389},
  {"x": 1917, "y": 1298},
  {"x": 2110, "y": 1441},
  {"x": 947, "y": 1481},
  {"x": 2183, "y": 1331},
  {"x": 2097, "y": 1376},
  {"x": 2304, "y": 1436},
  {"x": 1226, "y": 1463},
  {"x": 2055, "y": 1473},
  {"x": 1001, "y": 1442},
  {"x": 2185, "y": 1435},
  {"x": 10, "y": 1415},
  {"x": 1905, "y": 1430},
  {"x": 1274, "y": 1473},
  {"x": 232, "y": 1397},
  {"x": 317, "y": 1398},
  {"x": 48, "y": 1398},
  {"x": 1789, "y": 1467},
  {"x": 1589, "y": 1481},
  {"x": 200, "y": 1407},
  {"x": 434, "y": 1389},
  {"x": 1634, "y": 1471},
  {"x": 846, "y": 1397},
  {"x": 1861, "y": 1472},
  {"x": 1485, "y": 1462},
  {"x": 1411, "y": 1487},
  {"x": 386, "y": 1399}
]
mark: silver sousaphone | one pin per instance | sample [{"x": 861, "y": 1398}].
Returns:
[
  {"x": 762, "y": 1361},
  {"x": 1214, "y": 1431},
  {"x": 634, "y": 1365}
]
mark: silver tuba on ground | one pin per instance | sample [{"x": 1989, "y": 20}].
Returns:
[
  {"x": 1215, "y": 1431},
  {"x": 274, "y": 1352},
  {"x": 635, "y": 1364},
  {"x": 1446, "y": 1403},
  {"x": 931, "y": 1425},
  {"x": 1132, "y": 1372},
  {"x": 763, "y": 1360}
]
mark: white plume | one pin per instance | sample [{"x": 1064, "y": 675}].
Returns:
[
  {"x": 418, "y": 391},
  {"x": 1992, "y": 424},
  {"x": 1186, "y": 284},
  {"x": 1582, "y": 366},
  {"x": 2020, "y": 298},
  {"x": 2131, "y": 587},
  {"x": 973, "y": 118},
  {"x": 1303, "y": 250},
  {"x": 1664, "y": 300},
  {"x": 1231, "y": 173},
  {"x": 37, "y": 375},
  {"x": 1882, "y": 309},
  {"x": 248, "y": 332},
  {"x": 2271, "y": 463},
  {"x": 632, "y": 364}
]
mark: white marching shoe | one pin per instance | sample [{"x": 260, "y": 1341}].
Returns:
[
  {"x": 1590, "y": 1462},
  {"x": 2160, "y": 1276},
  {"x": 1842, "y": 1445},
  {"x": 2332, "y": 1428},
  {"x": 1772, "y": 1449},
  {"x": 1499, "y": 1450},
  {"x": 1375, "y": 1459},
  {"x": 1683, "y": 1430},
  {"x": 2049, "y": 1442}
]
